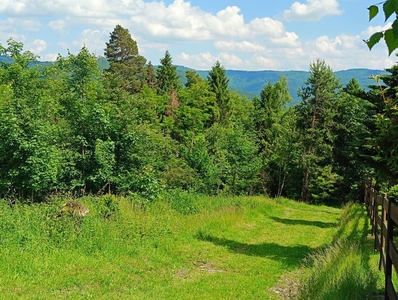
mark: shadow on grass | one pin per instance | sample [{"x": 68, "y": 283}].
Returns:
[
  {"x": 345, "y": 270},
  {"x": 355, "y": 232},
  {"x": 288, "y": 255},
  {"x": 319, "y": 224}
]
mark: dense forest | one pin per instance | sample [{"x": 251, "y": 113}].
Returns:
[{"x": 136, "y": 130}]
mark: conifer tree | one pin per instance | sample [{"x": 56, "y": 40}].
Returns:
[
  {"x": 218, "y": 82},
  {"x": 167, "y": 75},
  {"x": 126, "y": 65},
  {"x": 315, "y": 121},
  {"x": 150, "y": 76},
  {"x": 273, "y": 130}
]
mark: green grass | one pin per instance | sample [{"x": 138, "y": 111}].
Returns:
[
  {"x": 182, "y": 247},
  {"x": 348, "y": 268}
]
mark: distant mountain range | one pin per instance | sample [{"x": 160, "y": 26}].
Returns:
[{"x": 250, "y": 83}]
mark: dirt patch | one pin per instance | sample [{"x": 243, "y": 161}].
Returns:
[
  {"x": 201, "y": 266},
  {"x": 208, "y": 267},
  {"x": 182, "y": 273},
  {"x": 288, "y": 286}
]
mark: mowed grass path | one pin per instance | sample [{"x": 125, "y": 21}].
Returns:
[{"x": 225, "y": 248}]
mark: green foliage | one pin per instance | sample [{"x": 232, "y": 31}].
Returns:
[
  {"x": 157, "y": 252},
  {"x": 107, "y": 206},
  {"x": 29, "y": 158},
  {"x": 105, "y": 157},
  {"x": 390, "y": 35},
  {"x": 273, "y": 132},
  {"x": 218, "y": 82},
  {"x": 134, "y": 130},
  {"x": 380, "y": 144},
  {"x": 346, "y": 269},
  {"x": 324, "y": 184},
  {"x": 315, "y": 120},
  {"x": 166, "y": 75},
  {"x": 184, "y": 202},
  {"x": 126, "y": 70}
]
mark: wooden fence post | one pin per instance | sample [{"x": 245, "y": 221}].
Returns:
[{"x": 389, "y": 289}]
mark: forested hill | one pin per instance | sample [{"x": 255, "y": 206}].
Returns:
[{"x": 250, "y": 83}]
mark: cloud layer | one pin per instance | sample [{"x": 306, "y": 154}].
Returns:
[
  {"x": 313, "y": 10},
  {"x": 196, "y": 38}
]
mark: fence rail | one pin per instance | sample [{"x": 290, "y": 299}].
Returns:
[{"x": 383, "y": 214}]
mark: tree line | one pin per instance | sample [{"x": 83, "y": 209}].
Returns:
[{"x": 134, "y": 129}]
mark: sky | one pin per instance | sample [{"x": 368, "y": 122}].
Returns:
[{"x": 241, "y": 34}]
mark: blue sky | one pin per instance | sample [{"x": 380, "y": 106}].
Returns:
[{"x": 242, "y": 34}]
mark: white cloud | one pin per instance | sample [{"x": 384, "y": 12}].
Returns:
[
  {"x": 204, "y": 61},
  {"x": 289, "y": 40},
  {"x": 373, "y": 29},
  {"x": 231, "y": 60},
  {"x": 314, "y": 10},
  {"x": 58, "y": 25},
  {"x": 92, "y": 39},
  {"x": 155, "y": 22},
  {"x": 264, "y": 63},
  {"x": 30, "y": 24},
  {"x": 8, "y": 28},
  {"x": 49, "y": 57},
  {"x": 266, "y": 27},
  {"x": 345, "y": 52},
  {"x": 181, "y": 21},
  {"x": 63, "y": 45},
  {"x": 243, "y": 46},
  {"x": 200, "y": 37},
  {"x": 37, "y": 46},
  {"x": 201, "y": 61}
]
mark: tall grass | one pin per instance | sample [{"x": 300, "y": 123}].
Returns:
[
  {"x": 181, "y": 247},
  {"x": 346, "y": 269}
]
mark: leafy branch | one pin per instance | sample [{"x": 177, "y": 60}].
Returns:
[{"x": 390, "y": 35}]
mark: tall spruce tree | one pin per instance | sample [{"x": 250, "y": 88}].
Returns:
[
  {"x": 150, "y": 76},
  {"x": 167, "y": 75},
  {"x": 315, "y": 122},
  {"x": 273, "y": 131},
  {"x": 126, "y": 65},
  {"x": 218, "y": 82}
]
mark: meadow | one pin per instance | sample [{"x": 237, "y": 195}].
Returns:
[{"x": 186, "y": 247}]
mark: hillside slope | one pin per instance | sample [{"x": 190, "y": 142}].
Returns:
[{"x": 250, "y": 83}]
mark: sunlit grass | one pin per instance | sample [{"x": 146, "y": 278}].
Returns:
[
  {"x": 204, "y": 248},
  {"x": 348, "y": 268}
]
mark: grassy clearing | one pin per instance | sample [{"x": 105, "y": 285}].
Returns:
[{"x": 183, "y": 247}]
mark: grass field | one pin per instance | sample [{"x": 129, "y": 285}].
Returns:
[{"x": 185, "y": 247}]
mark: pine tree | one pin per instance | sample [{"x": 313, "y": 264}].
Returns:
[
  {"x": 315, "y": 121},
  {"x": 218, "y": 82},
  {"x": 126, "y": 65},
  {"x": 273, "y": 130},
  {"x": 150, "y": 76},
  {"x": 167, "y": 75}
]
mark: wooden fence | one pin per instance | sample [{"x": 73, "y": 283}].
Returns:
[{"x": 383, "y": 213}]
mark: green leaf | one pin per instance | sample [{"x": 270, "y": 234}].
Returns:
[
  {"x": 389, "y": 8},
  {"x": 395, "y": 28},
  {"x": 374, "y": 39},
  {"x": 391, "y": 41},
  {"x": 373, "y": 11}
]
